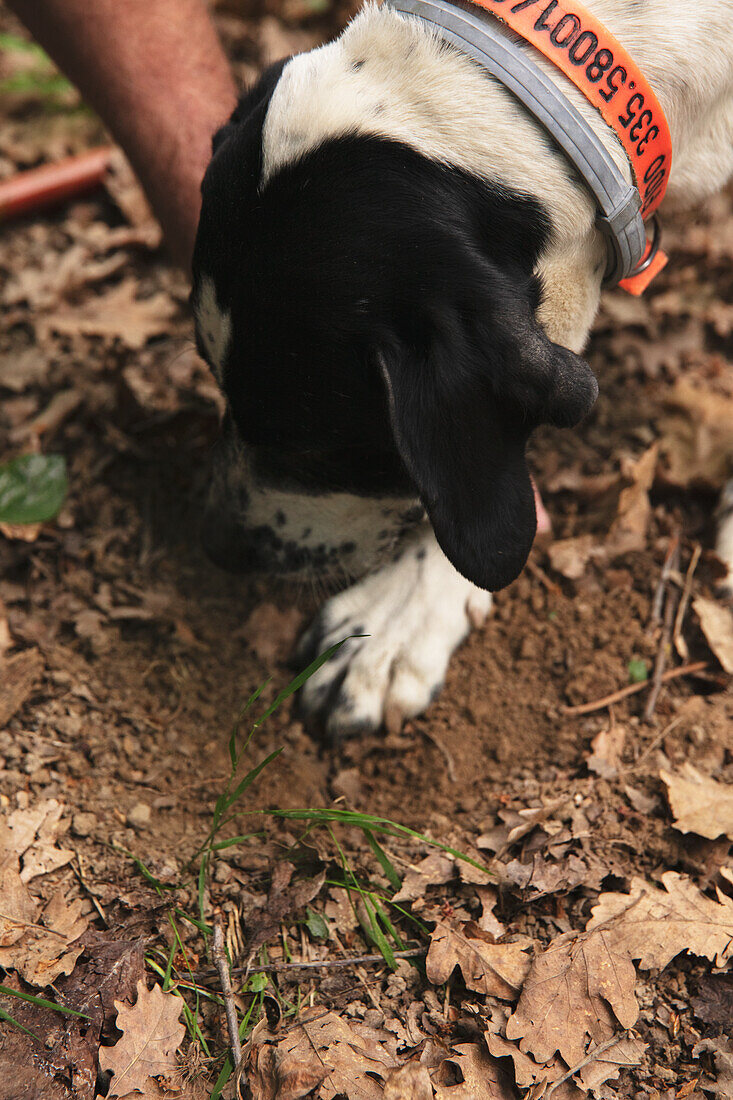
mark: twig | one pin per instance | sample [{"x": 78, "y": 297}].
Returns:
[
  {"x": 685, "y": 599},
  {"x": 665, "y": 640},
  {"x": 633, "y": 689},
  {"x": 657, "y": 741},
  {"x": 317, "y": 964},
  {"x": 669, "y": 565},
  {"x": 591, "y": 1057},
  {"x": 222, "y": 965}
]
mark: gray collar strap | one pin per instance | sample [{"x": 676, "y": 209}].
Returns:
[{"x": 619, "y": 203}]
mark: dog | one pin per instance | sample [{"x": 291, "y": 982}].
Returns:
[{"x": 394, "y": 276}]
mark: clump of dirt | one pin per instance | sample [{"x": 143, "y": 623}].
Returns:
[{"x": 126, "y": 657}]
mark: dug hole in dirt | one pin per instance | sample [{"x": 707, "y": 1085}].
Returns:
[{"x": 563, "y": 923}]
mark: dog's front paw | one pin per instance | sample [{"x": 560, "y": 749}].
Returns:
[{"x": 414, "y": 612}]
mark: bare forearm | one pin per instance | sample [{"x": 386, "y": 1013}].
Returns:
[{"x": 155, "y": 72}]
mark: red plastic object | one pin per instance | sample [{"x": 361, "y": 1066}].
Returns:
[{"x": 53, "y": 183}]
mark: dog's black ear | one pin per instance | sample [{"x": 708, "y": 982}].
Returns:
[
  {"x": 467, "y": 384},
  {"x": 254, "y": 98}
]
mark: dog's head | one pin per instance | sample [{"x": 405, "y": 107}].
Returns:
[{"x": 370, "y": 315}]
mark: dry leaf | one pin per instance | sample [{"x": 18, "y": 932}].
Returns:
[
  {"x": 629, "y": 529},
  {"x": 654, "y": 925},
  {"x": 697, "y": 443},
  {"x": 18, "y": 677},
  {"x": 49, "y": 947},
  {"x": 714, "y": 1006},
  {"x": 543, "y": 876},
  {"x": 700, "y": 805},
  {"x": 608, "y": 747},
  {"x": 408, "y": 1082},
  {"x": 717, "y": 626},
  {"x": 288, "y": 1071},
  {"x": 482, "y": 1077},
  {"x": 435, "y": 870},
  {"x": 18, "y": 908},
  {"x": 488, "y": 921},
  {"x": 32, "y": 835},
  {"x": 151, "y": 1035},
  {"x": 572, "y": 993},
  {"x": 322, "y": 1049},
  {"x": 284, "y": 898},
  {"x": 722, "y": 1052},
  {"x": 529, "y": 1074},
  {"x": 569, "y": 557},
  {"x": 492, "y": 968},
  {"x": 118, "y": 313}
]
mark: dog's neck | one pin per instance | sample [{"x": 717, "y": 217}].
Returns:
[{"x": 389, "y": 76}]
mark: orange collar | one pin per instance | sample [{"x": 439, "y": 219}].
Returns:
[{"x": 598, "y": 65}]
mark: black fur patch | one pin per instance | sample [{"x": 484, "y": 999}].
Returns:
[{"x": 383, "y": 330}]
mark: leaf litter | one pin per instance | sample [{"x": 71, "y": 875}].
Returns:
[{"x": 112, "y": 698}]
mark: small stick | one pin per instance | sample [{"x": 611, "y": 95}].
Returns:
[
  {"x": 685, "y": 598},
  {"x": 596, "y": 1053},
  {"x": 633, "y": 689},
  {"x": 657, "y": 741},
  {"x": 318, "y": 964},
  {"x": 222, "y": 965},
  {"x": 665, "y": 641},
  {"x": 667, "y": 568}
]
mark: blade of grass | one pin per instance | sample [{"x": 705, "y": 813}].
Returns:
[
  {"x": 41, "y": 1002},
  {"x": 301, "y": 678},
  {"x": 383, "y": 860},
  {"x": 10, "y": 1020},
  {"x": 377, "y": 824}
]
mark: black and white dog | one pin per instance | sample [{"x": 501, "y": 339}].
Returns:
[{"x": 394, "y": 272}]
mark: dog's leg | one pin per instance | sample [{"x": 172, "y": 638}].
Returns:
[
  {"x": 724, "y": 544},
  {"x": 415, "y": 611}
]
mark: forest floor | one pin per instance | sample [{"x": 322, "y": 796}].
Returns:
[{"x": 591, "y": 927}]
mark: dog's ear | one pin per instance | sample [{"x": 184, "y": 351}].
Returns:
[
  {"x": 467, "y": 385},
  {"x": 254, "y": 98}
]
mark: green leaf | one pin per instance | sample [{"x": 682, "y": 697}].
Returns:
[
  {"x": 638, "y": 671},
  {"x": 316, "y": 925},
  {"x": 257, "y": 983},
  {"x": 32, "y": 488}
]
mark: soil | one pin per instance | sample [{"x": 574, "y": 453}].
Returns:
[{"x": 148, "y": 651}]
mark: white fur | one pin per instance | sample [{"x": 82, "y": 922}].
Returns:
[
  {"x": 214, "y": 325},
  {"x": 372, "y": 524},
  {"x": 416, "y": 611}
]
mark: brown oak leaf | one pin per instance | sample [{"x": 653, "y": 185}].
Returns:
[
  {"x": 654, "y": 925},
  {"x": 716, "y": 622},
  {"x": 50, "y": 945},
  {"x": 575, "y": 991},
  {"x": 700, "y": 805},
  {"x": 322, "y": 1049},
  {"x": 117, "y": 313},
  {"x": 151, "y": 1035},
  {"x": 435, "y": 870},
  {"x": 492, "y": 968},
  {"x": 483, "y": 1079}
]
